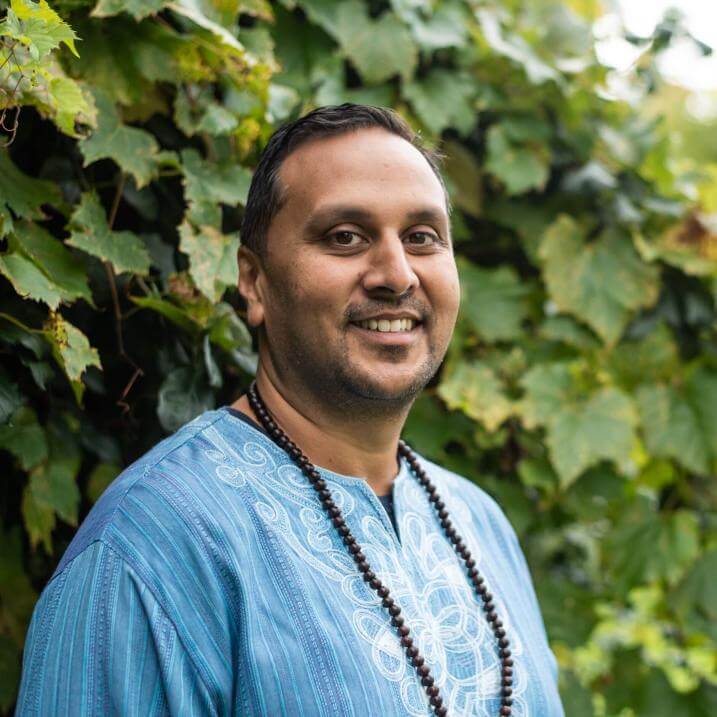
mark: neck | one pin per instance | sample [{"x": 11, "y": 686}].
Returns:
[{"x": 330, "y": 439}]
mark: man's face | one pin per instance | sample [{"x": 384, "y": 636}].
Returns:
[{"x": 363, "y": 235}]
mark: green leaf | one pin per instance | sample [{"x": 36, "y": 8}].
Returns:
[
  {"x": 679, "y": 423},
  {"x": 446, "y": 27},
  {"x": 493, "y": 301},
  {"x": 24, "y": 438},
  {"x": 602, "y": 283},
  {"x": 475, "y": 389},
  {"x": 378, "y": 48},
  {"x": 138, "y": 9},
  {"x": 656, "y": 547},
  {"x": 63, "y": 269},
  {"x": 212, "y": 258},
  {"x": 91, "y": 233},
  {"x": 43, "y": 29},
  {"x": 174, "y": 313},
  {"x": 183, "y": 395},
  {"x": 695, "y": 598},
  {"x": 227, "y": 330},
  {"x": 28, "y": 281},
  {"x": 100, "y": 478},
  {"x": 69, "y": 102},
  {"x": 10, "y": 398},
  {"x": 133, "y": 150},
  {"x": 519, "y": 167},
  {"x": 22, "y": 195},
  {"x": 71, "y": 350},
  {"x": 583, "y": 428},
  {"x": 213, "y": 182},
  {"x": 444, "y": 98},
  {"x": 464, "y": 178}
]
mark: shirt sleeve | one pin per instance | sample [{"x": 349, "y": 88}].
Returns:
[{"x": 99, "y": 643}]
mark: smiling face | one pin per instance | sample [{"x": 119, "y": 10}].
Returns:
[{"x": 362, "y": 239}]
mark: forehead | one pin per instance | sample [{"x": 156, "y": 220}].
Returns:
[{"x": 372, "y": 168}]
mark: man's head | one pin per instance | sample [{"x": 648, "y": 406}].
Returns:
[{"x": 347, "y": 220}]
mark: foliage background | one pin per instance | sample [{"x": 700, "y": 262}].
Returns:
[{"x": 581, "y": 385}]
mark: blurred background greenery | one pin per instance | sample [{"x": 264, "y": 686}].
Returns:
[{"x": 580, "y": 388}]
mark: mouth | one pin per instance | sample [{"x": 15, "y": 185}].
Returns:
[
  {"x": 387, "y": 325},
  {"x": 384, "y": 331}
]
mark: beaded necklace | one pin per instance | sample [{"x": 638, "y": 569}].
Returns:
[{"x": 397, "y": 620}]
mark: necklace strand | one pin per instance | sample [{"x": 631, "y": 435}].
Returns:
[{"x": 397, "y": 620}]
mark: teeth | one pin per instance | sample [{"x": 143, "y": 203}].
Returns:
[{"x": 386, "y": 325}]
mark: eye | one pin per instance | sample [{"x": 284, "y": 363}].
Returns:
[
  {"x": 344, "y": 238},
  {"x": 423, "y": 239}
]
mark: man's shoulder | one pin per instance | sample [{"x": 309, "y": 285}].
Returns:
[{"x": 155, "y": 492}]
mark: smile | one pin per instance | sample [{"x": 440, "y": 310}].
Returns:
[{"x": 386, "y": 326}]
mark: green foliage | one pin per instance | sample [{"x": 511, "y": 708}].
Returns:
[{"x": 580, "y": 387}]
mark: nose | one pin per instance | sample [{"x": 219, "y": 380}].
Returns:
[{"x": 390, "y": 269}]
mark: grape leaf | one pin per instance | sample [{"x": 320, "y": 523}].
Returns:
[
  {"x": 493, "y": 300},
  {"x": 60, "y": 266},
  {"x": 212, "y": 182},
  {"x": 212, "y": 258},
  {"x": 133, "y": 150},
  {"x": 442, "y": 99},
  {"x": 679, "y": 422},
  {"x": 656, "y": 547},
  {"x": 10, "y": 398},
  {"x": 71, "y": 350},
  {"x": 475, "y": 389},
  {"x": 183, "y": 395},
  {"x": 378, "y": 48},
  {"x": 138, "y": 9},
  {"x": 24, "y": 438},
  {"x": 28, "y": 281},
  {"x": 583, "y": 427},
  {"x": 22, "y": 195},
  {"x": 519, "y": 167},
  {"x": 91, "y": 233},
  {"x": 42, "y": 28},
  {"x": 602, "y": 283}
]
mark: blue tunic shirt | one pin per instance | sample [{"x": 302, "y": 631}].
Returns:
[{"x": 207, "y": 580}]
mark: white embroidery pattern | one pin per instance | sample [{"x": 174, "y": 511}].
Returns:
[{"x": 423, "y": 573}]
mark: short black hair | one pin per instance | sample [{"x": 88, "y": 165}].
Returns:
[{"x": 266, "y": 196}]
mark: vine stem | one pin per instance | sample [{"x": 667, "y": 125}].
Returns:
[{"x": 115, "y": 300}]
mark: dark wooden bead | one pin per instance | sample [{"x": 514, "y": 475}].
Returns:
[
  {"x": 508, "y": 661},
  {"x": 432, "y": 691},
  {"x": 383, "y": 591},
  {"x": 436, "y": 701},
  {"x": 505, "y": 711},
  {"x": 506, "y": 691},
  {"x": 443, "y": 513},
  {"x": 470, "y": 562},
  {"x": 387, "y": 601},
  {"x": 333, "y": 511},
  {"x": 397, "y": 620},
  {"x": 404, "y": 630},
  {"x": 368, "y": 574},
  {"x": 487, "y": 597},
  {"x": 506, "y": 682},
  {"x": 294, "y": 453},
  {"x": 489, "y": 606},
  {"x": 324, "y": 494},
  {"x": 504, "y": 642},
  {"x": 423, "y": 670},
  {"x": 412, "y": 651},
  {"x": 320, "y": 483},
  {"x": 427, "y": 681},
  {"x": 406, "y": 641},
  {"x": 505, "y": 654},
  {"x": 338, "y": 521},
  {"x": 499, "y": 632},
  {"x": 344, "y": 531},
  {"x": 492, "y": 616},
  {"x": 442, "y": 711},
  {"x": 394, "y": 610},
  {"x": 375, "y": 583},
  {"x": 362, "y": 566},
  {"x": 507, "y": 672},
  {"x": 440, "y": 505},
  {"x": 359, "y": 557},
  {"x": 418, "y": 661}
]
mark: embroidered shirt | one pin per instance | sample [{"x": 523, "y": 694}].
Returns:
[{"x": 207, "y": 580}]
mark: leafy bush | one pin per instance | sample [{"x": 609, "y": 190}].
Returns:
[{"x": 581, "y": 384}]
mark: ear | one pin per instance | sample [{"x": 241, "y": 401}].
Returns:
[{"x": 251, "y": 275}]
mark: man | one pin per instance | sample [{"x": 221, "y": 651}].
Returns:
[{"x": 252, "y": 563}]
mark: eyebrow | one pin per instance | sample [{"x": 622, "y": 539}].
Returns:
[{"x": 319, "y": 220}]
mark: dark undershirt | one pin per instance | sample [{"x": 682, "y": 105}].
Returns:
[{"x": 386, "y": 500}]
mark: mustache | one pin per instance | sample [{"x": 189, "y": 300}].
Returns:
[{"x": 357, "y": 313}]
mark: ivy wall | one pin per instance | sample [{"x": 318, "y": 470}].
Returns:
[{"x": 580, "y": 388}]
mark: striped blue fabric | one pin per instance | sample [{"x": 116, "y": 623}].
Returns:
[{"x": 207, "y": 580}]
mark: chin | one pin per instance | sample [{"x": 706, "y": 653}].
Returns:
[{"x": 401, "y": 388}]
